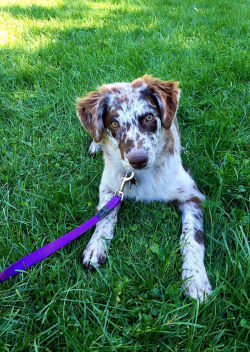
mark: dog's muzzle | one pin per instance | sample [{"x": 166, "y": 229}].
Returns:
[{"x": 138, "y": 160}]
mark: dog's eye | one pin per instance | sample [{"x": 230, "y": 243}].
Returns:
[
  {"x": 149, "y": 118},
  {"x": 114, "y": 124}
]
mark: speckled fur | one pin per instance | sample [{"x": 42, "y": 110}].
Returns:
[{"x": 163, "y": 178}]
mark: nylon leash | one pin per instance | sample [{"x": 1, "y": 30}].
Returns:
[{"x": 45, "y": 251}]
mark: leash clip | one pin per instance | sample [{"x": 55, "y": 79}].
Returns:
[{"x": 125, "y": 178}]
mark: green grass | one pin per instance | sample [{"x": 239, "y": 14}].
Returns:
[{"x": 55, "y": 51}]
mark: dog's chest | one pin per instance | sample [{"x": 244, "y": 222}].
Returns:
[{"x": 150, "y": 186}]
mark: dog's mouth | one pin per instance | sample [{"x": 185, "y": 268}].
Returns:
[
  {"x": 136, "y": 169},
  {"x": 139, "y": 166}
]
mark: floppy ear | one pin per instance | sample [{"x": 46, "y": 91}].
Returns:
[
  {"x": 166, "y": 94},
  {"x": 90, "y": 111}
]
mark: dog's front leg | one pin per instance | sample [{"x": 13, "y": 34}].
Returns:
[
  {"x": 96, "y": 250},
  {"x": 194, "y": 274}
]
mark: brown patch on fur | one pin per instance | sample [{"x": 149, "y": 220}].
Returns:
[
  {"x": 90, "y": 110},
  {"x": 105, "y": 143},
  {"x": 105, "y": 138},
  {"x": 110, "y": 116},
  {"x": 176, "y": 125},
  {"x": 169, "y": 142},
  {"x": 195, "y": 200},
  {"x": 117, "y": 104},
  {"x": 166, "y": 93},
  {"x": 128, "y": 125},
  {"x": 147, "y": 95},
  {"x": 125, "y": 145},
  {"x": 137, "y": 83},
  {"x": 198, "y": 236},
  {"x": 140, "y": 144},
  {"x": 107, "y": 90},
  {"x": 122, "y": 99},
  {"x": 145, "y": 126}
]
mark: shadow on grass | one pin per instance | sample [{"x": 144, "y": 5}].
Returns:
[
  {"x": 43, "y": 82},
  {"x": 60, "y": 12},
  {"x": 115, "y": 47},
  {"x": 95, "y": 50}
]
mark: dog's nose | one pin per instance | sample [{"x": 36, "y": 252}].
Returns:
[{"x": 138, "y": 160}]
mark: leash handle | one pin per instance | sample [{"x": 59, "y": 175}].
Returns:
[{"x": 48, "y": 249}]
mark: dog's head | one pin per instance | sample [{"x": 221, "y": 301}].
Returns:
[{"x": 131, "y": 116}]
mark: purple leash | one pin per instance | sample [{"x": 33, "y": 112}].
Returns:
[{"x": 48, "y": 249}]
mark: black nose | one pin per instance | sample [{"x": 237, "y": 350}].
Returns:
[{"x": 138, "y": 160}]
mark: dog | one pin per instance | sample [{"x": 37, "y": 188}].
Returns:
[{"x": 135, "y": 125}]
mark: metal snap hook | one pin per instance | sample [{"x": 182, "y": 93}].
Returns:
[{"x": 125, "y": 178}]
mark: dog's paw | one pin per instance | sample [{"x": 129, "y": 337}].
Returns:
[
  {"x": 196, "y": 284},
  {"x": 94, "y": 255},
  {"x": 95, "y": 148}
]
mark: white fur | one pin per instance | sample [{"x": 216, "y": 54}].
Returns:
[{"x": 95, "y": 148}]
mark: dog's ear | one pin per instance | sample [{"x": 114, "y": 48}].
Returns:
[
  {"x": 90, "y": 111},
  {"x": 166, "y": 94}
]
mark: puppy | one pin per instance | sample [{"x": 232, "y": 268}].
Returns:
[{"x": 135, "y": 125}]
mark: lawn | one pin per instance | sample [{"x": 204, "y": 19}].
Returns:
[{"x": 55, "y": 51}]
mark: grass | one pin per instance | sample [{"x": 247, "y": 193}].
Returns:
[{"x": 51, "y": 53}]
